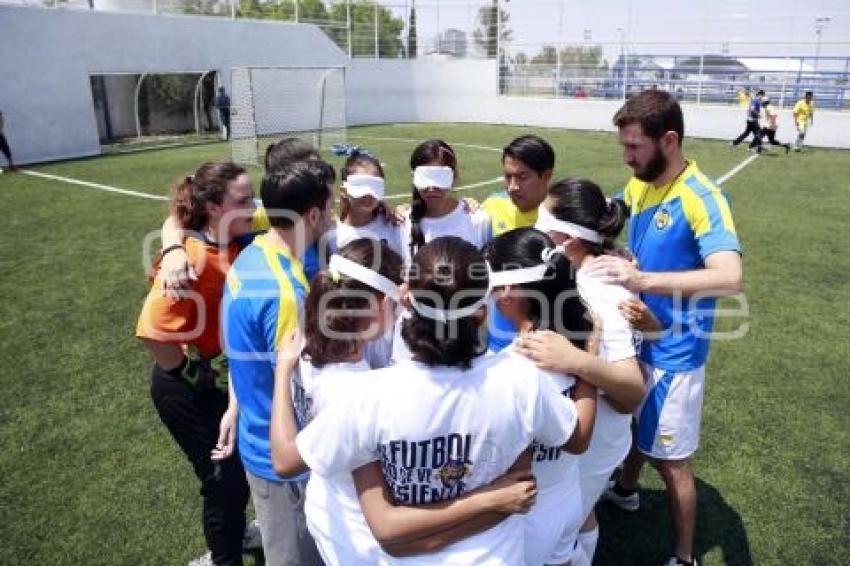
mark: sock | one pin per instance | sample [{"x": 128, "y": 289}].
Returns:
[{"x": 587, "y": 540}]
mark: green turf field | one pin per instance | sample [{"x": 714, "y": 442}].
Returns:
[{"x": 90, "y": 476}]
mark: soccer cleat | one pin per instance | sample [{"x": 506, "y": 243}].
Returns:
[
  {"x": 205, "y": 560},
  {"x": 629, "y": 502},
  {"x": 676, "y": 561},
  {"x": 252, "y": 539}
]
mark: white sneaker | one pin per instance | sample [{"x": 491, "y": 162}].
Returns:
[
  {"x": 627, "y": 503},
  {"x": 676, "y": 562},
  {"x": 252, "y": 539},
  {"x": 205, "y": 560}
]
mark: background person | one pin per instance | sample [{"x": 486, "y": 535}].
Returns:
[
  {"x": 222, "y": 103},
  {"x": 752, "y": 123},
  {"x": 4, "y": 147},
  {"x": 771, "y": 125},
  {"x": 804, "y": 116}
]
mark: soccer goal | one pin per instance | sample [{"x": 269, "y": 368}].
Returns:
[{"x": 271, "y": 103}]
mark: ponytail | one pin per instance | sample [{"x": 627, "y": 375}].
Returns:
[
  {"x": 208, "y": 184},
  {"x": 418, "y": 207},
  {"x": 333, "y": 310},
  {"x": 582, "y": 202},
  {"x": 612, "y": 221}
]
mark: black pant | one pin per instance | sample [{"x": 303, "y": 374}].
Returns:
[
  {"x": 771, "y": 137},
  {"x": 4, "y": 147},
  {"x": 224, "y": 116},
  {"x": 752, "y": 127},
  {"x": 192, "y": 417}
]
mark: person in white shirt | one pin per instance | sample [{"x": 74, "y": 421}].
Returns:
[
  {"x": 434, "y": 210},
  {"x": 577, "y": 216},
  {"x": 423, "y": 419},
  {"x": 534, "y": 288},
  {"x": 349, "y": 305},
  {"x": 362, "y": 210},
  {"x": 772, "y": 124}
]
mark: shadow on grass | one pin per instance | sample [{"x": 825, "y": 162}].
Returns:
[{"x": 645, "y": 537}]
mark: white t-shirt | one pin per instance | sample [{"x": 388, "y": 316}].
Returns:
[
  {"x": 378, "y": 229},
  {"x": 459, "y": 222},
  {"x": 440, "y": 432},
  {"x": 554, "y": 521},
  {"x": 612, "y": 436},
  {"x": 331, "y": 506}
]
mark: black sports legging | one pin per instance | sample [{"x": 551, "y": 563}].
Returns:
[
  {"x": 192, "y": 417},
  {"x": 752, "y": 127},
  {"x": 771, "y": 137}
]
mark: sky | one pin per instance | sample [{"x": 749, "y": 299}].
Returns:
[{"x": 740, "y": 27}]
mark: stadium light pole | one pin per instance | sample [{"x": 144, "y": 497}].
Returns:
[{"x": 821, "y": 24}]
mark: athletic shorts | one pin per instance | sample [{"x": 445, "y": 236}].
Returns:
[
  {"x": 670, "y": 414},
  {"x": 803, "y": 127}
]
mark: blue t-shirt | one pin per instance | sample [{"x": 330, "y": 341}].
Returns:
[
  {"x": 674, "y": 228},
  {"x": 754, "y": 111},
  {"x": 263, "y": 302}
]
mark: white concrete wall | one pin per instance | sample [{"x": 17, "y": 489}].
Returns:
[
  {"x": 48, "y": 55},
  {"x": 466, "y": 91}
]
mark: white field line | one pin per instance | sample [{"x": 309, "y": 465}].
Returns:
[
  {"x": 737, "y": 168},
  {"x": 456, "y": 144},
  {"x": 492, "y": 181},
  {"x": 166, "y": 145},
  {"x": 127, "y": 192},
  {"x": 90, "y": 185}
]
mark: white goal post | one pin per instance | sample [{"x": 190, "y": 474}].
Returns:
[{"x": 272, "y": 103}]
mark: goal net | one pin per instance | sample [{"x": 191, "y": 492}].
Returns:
[{"x": 272, "y": 103}]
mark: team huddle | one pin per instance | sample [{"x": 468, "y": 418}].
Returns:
[{"x": 444, "y": 383}]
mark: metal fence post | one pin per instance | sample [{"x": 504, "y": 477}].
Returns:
[
  {"x": 699, "y": 83},
  {"x": 377, "y": 47}
]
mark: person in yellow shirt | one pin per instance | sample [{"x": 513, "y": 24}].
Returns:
[
  {"x": 744, "y": 97},
  {"x": 804, "y": 114},
  {"x": 527, "y": 164}
]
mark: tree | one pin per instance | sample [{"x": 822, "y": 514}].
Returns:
[
  {"x": 490, "y": 18},
  {"x": 581, "y": 60},
  {"x": 206, "y": 7},
  {"x": 308, "y": 10},
  {"x": 363, "y": 29},
  {"x": 411, "y": 32},
  {"x": 548, "y": 55}
]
